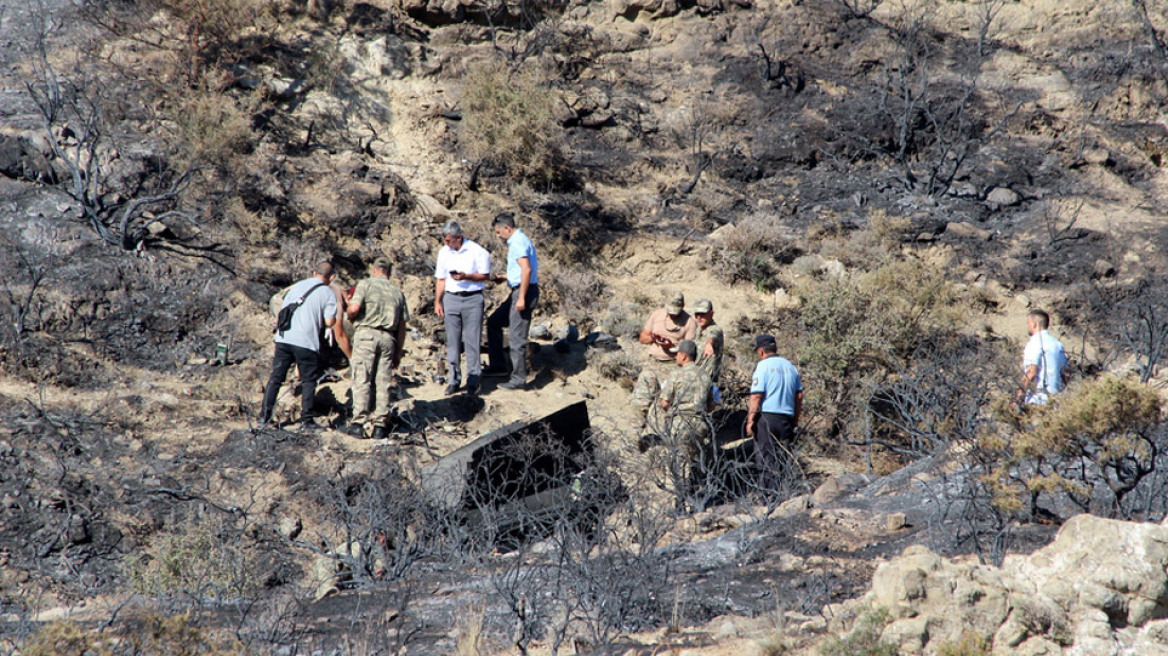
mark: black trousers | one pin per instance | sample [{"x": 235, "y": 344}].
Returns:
[
  {"x": 520, "y": 324},
  {"x": 308, "y": 362},
  {"x": 771, "y": 459}
]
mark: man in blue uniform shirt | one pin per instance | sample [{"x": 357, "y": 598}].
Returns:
[
  {"x": 523, "y": 279},
  {"x": 776, "y": 401}
]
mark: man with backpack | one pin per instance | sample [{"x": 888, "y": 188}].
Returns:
[{"x": 308, "y": 307}]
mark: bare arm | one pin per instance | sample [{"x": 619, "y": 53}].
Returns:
[
  {"x": 1028, "y": 378},
  {"x": 646, "y": 336},
  {"x": 439, "y": 290},
  {"x": 473, "y": 277},
  {"x": 752, "y": 412},
  {"x": 798, "y": 407},
  {"x": 524, "y": 282}
]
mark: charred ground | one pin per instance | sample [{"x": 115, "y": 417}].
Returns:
[{"x": 813, "y": 170}]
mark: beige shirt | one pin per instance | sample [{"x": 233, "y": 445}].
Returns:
[
  {"x": 383, "y": 306},
  {"x": 676, "y": 329}
]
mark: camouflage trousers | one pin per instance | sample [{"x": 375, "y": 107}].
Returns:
[
  {"x": 676, "y": 462},
  {"x": 649, "y": 382},
  {"x": 372, "y": 373}
]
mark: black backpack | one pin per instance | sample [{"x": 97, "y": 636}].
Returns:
[{"x": 284, "y": 319}]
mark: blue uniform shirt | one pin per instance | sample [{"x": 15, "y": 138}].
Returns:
[
  {"x": 520, "y": 246},
  {"x": 778, "y": 381}
]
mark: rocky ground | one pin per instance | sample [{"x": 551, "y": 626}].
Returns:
[{"x": 739, "y": 151}]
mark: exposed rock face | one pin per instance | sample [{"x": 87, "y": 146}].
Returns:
[
  {"x": 1099, "y": 588},
  {"x": 21, "y": 160}
]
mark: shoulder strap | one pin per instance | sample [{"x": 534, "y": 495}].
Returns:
[
  {"x": 1042, "y": 363},
  {"x": 300, "y": 301}
]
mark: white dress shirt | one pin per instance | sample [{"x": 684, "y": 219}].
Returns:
[{"x": 471, "y": 258}]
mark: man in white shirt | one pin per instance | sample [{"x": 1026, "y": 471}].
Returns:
[
  {"x": 1042, "y": 361},
  {"x": 462, "y": 269}
]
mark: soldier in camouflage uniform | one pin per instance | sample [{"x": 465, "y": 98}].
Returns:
[
  {"x": 684, "y": 402},
  {"x": 379, "y": 314},
  {"x": 710, "y": 340},
  {"x": 681, "y": 419}
]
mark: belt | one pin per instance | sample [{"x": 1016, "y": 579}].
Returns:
[
  {"x": 529, "y": 285},
  {"x": 477, "y": 291},
  {"x": 381, "y": 328}
]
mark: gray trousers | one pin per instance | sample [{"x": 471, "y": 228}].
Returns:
[
  {"x": 520, "y": 324},
  {"x": 464, "y": 334}
]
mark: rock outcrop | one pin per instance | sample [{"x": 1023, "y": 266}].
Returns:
[{"x": 1100, "y": 588}]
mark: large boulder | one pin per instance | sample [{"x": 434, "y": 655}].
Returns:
[
  {"x": 1101, "y": 587},
  {"x": 932, "y": 599},
  {"x": 1102, "y": 564}
]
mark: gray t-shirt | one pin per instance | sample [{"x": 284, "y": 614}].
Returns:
[{"x": 309, "y": 318}]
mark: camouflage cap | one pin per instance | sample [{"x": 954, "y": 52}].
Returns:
[
  {"x": 688, "y": 347},
  {"x": 702, "y": 306},
  {"x": 676, "y": 303}
]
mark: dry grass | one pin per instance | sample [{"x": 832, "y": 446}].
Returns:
[
  {"x": 141, "y": 634},
  {"x": 214, "y": 129},
  {"x": 753, "y": 252},
  {"x": 581, "y": 294},
  {"x": 470, "y": 640},
  {"x": 510, "y": 121}
]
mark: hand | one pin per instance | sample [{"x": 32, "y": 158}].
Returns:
[
  {"x": 499, "y": 278},
  {"x": 709, "y": 350},
  {"x": 457, "y": 276},
  {"x": 520, "y": 305},
  {"x": 439, "y": 310},
  {"x": 750, "y": 427}
]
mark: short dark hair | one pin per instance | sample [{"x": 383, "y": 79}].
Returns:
[
  {"x": 324, "y": 269},
  {"x": 1041, "y": 318},
  {"x": 504, "y": 219},
  {"x": 766, "y": 343}
]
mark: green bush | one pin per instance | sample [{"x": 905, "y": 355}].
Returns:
[
  {"x": 213, "y": 129},
  {"x": 752, "y": 251},
  {"x": 509, "y": 121},
  {"x": 856, "y": 330},
  {"x": 864, "y": 638},
  {"x": 204, "y": 560},
  {"x": 1104, "y": 433}
]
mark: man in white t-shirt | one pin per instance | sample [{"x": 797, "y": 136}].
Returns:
[
  {"x": 301, "y": 343},
  {"x": 461, "y": 272},
  {"x": 1042, "y": 361}
]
